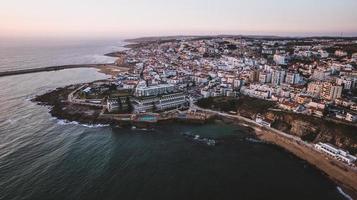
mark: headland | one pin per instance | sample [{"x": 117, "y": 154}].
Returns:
[{"x": 268, "y": 84}]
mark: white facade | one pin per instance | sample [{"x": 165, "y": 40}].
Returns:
[
  {"x": 154, "y": 90},
  {"x": 280, "y": 59},
  {"x": 278, "y": 77},
  {"x": 351, "y": 117},
  {"x": 164, "y": 102},
  {"x": 292, "y": 78},
  {"x": 256, "y": 92},
  {"x": 336, "y": 153}
]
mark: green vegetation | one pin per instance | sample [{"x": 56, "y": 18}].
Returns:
[
  {"x": 309, "y": 137},
  {"x": 120, "y": 93},
  {"x": 154, "y": 107},
  {"x": 350, "y": 49},
  {"x": 130, "y": 106},
  {"x": 227, "y": 104},
  {"x": 82, "y": 95},
  {"x": 120, "y": 104}
]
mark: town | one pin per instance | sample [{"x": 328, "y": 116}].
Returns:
[
  {"x": 170, "y": 78},
  {"x": 309, "y": 76}
]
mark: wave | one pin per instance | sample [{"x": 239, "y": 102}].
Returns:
[
  {"x": 141, "y": 129},
  {"x": 13, "y": 121},
  {"x": 66, "y": 122},
  {"x": 254, "y": 140},
  {"x": 29, "y": 98},
  {"x": 344, "y": 194},
  {"x": 95, "y": 125}
]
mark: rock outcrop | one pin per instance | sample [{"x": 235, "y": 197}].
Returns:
[{"x": 314, "y": 129}]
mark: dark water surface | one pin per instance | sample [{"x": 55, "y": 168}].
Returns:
[{"x": 44, "y": 158}]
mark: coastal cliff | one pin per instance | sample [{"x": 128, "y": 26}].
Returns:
[
  {"x": 308, "y": 128},
  {"x": 314, "y": 129},
  {"x": 61, "y": 109}
]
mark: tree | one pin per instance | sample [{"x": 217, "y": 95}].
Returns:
[
  {"x": 154, "y": 107},
  {"x": 130, "y": 106},
  {"x": 120, "y": 105}
]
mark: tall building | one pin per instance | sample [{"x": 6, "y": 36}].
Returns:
[
  {"x": 278, "y": 77},
  {"x": 315, "y": 88},
  {"x": 280, "y": 59},
  {"x": 321, "y": 74},
  {"x": 265, "y": 77},
  {"x": 145, "y": 91},
  {"x": 331, "y": 91},
  {"x": 292, "y": 78},
  {"x": 237, "y": 83},
  {"x": 340, "y": 53},
  {"x": 348, "y": 83},
  {"x": 163, "y": 102},
  {"x": 354, "y": 57},
  {"x": 254, "y": 76}
]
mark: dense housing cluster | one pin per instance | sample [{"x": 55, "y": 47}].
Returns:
[{"x": 314, "y": 76}]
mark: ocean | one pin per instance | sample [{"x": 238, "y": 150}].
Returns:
[
  {"x": 42, "y": 157},
  {"x": 27, "y": 53}
]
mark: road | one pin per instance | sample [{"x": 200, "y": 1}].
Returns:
[{"x": 297, "y": 139}]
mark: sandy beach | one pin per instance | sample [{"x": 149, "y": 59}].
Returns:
[
  {"x": 112, "y": 70},
  {"x": 339, "y": 173}
]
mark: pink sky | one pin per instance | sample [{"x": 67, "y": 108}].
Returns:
[{"x": 172, "y": 17}]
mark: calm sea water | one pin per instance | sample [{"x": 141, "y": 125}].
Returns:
[
  {"x": 44, "y": 158},
  {"x": 27, "y": 53}
]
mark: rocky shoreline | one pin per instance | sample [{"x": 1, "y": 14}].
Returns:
[
  {"x": 308, "y": 128},
  {"x": 63, "y": 110},
  {"x": 289, "y": 123}
]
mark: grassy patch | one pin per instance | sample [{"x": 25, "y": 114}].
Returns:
[{"x": 227, "y": 104}]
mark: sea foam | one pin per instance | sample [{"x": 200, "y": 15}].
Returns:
[
  {"x": 66, "y": 122},
  {"x": 344, "y": 194}
]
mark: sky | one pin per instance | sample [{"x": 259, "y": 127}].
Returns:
[{"x": 126, "y": 18}]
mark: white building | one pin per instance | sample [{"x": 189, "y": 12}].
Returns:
[
  {"x": 346, "y": 82},
  {"x": 292, "y": 78},
  {"x": 340, "y": 53},
  {"x": 323, "y": 53},
  {"x": 331, "y": 91},
  {"x": 280, "y": 59},
  {"x": 278, "y": 77},
  {"x": 257, "y": 91},
  {"x": 164, "y": 102},
  {"x": 264, "y": 77},
  {"x": 262, "y": 121},
  {"x": 237, "y": 83},
  {"x": 154, "y": 90},
  {"x": 335, "y": 152},
  {"x": 315, "y": 88},
  {"x": 351, "y": 117},
  {"x": 321, "y": 74},
  {"x": 205, "y": 93}
]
